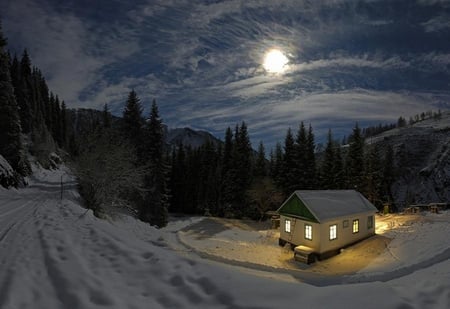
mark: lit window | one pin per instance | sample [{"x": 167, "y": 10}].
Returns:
[
  {"x": 333, "y": 232},
  {"x": 355, "y": 226},
  {"x": 308, "y": 231},
  {"x": 345, "y": 223},
  {"x": 287, "y": 226},
  {"x": 369, "y": 222}
]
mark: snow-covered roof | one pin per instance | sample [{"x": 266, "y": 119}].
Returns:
[{"x": 329, "y": 204}]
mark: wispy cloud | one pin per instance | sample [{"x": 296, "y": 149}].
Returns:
[
  {"x": 363, "y": 61},
  {"x": 438, "y": 23},
  {"x": 348, "y": 60},
  {"x": 71, "y": 51}
]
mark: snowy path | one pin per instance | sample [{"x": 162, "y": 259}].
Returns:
[{"x": 54, "y": 254}]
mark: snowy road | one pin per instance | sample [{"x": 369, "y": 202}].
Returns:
[{"x": 54, "y": 254}]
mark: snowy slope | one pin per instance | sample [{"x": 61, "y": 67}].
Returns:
[
  {"x": 55, "y": 254},
  {"x": 422, "y": 160}
]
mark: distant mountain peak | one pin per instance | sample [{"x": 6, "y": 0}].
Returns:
[{"x": 190, "y": 137}]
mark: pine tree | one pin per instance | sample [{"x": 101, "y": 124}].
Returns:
[
  {"x": 10, "y": 140},
  {"x": 328, "y": 177},
  {"x": 311, "y": 180},
  {"x": 289, "y": 176},
  {"x": 277, "y": 168},
  {"x": 388, "y": 174},
  {"x": 260, "y": 164},
  {"x": 300, "y": 167},
  {"x": 106, "y": 117},
  {"x": 178, "y": 180},
  {"x": 373, "y": 176},
  {"x": 23, "y": 93},
  {"x": 56, "y": 120},
  {"x": 242, "y": 157},
  {"x": 154, "y": 140},
  {"x": 338, "y": 169},
  {"x": 245, "y": 155},
  {"x": 132, "y": 120},
  {"x": 63, "y": 124},
  {"x": 155, "y": 205},
  {"x": 228, "y": 173},
  {"x": 355, "y": 161}
]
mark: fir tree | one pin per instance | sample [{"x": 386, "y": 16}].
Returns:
[
  {"x": 242, "y": 157},
  {"x": 289, "y": 176},
  {"x": 310, "y": 157},
  {"x": 132, "y": 120},
  {"x": 388, "y": 174},
  {"x": 245, "y": 151},
  {"x": 156, "y": 201},
  {"x": 63, "y": 124},
  {"x": 56, "y": 120},
  {"x": 260, "y": 164},
  {"x": 300, "y": 166},
  {"x": 106, "y": 116},
  {"x": 373, "y": 176},
  {"x": 277, "y": 166},
  {"x": 355, "y": 161},
  {"x": 23, "y": 93},
  {"x": 228, "y": 172},
  {"x": 328, "y": 177},
  {"x": 338, "y": 169},
  {"x": 178, "y": 180},
  {"x": 10, "y": 140}
]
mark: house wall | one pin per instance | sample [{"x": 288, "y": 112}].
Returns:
[
  {"x": 321, "y": 231},
  {"x": 345, "y": 235},
  {"x": 298, "y": 232}
]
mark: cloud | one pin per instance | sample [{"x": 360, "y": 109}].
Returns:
[
  {"x": 438, "y": 23},
  {"x": 364, "y": 61},
  {"x": 268, "y": 119},
  {"x": 70, "y": 51},
  {"x": 201, "y": 59}
]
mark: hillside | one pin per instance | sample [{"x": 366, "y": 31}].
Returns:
[
  {"x": 422, "y": 160},
  {"x": 188, "y": 136}
]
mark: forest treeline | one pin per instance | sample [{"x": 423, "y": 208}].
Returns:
[
  {"x": 124, "y": 163},
  {"x": 32, "y": 118}
]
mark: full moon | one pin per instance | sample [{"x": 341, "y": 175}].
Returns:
[{"x": 275, "y": 61}]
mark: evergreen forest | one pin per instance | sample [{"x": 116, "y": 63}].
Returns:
[{"x": 124, "y": 163}]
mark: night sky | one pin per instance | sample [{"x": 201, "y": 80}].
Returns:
[{"x": 367, "y": 61}]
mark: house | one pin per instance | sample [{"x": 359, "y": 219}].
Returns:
[{"x": 318, "y": 223}]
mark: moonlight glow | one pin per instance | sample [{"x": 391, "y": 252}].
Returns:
[{"x": 275, "y": 61}]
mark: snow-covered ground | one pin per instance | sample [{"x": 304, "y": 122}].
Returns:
[{"x": 55, "y": 254}]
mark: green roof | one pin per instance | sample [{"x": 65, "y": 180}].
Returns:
[{"x": 295, "y": 207}]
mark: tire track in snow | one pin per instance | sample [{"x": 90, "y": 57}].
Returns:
[
  {"x": 15, "y": 234},
  {"x": 3, "y": 236}
]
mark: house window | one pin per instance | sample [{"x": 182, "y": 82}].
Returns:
[
  {"x": 333, "y": 231},
  {"x": 345, "y": 223},
  {"x": 287, "y": 226},
  {"x": 369, "y": 222},
  {"x": 355, "y": 226},
  {"x": 308, "y": 231}
]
